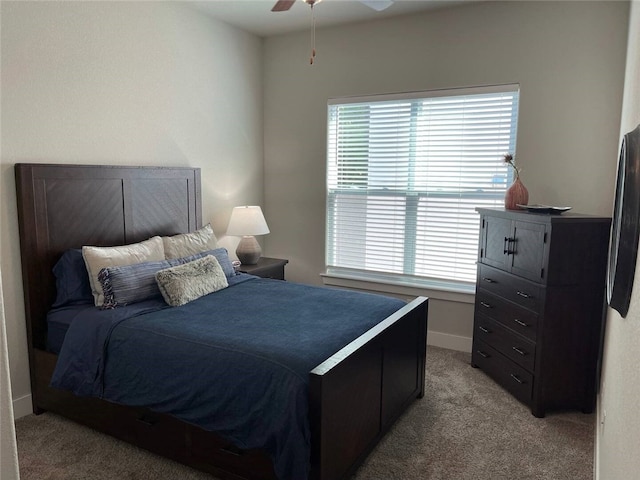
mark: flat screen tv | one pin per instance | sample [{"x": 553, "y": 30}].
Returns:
[{"x": 625, "y": 225}]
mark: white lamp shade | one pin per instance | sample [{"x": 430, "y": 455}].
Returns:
[{"x": 247, "y": 220}]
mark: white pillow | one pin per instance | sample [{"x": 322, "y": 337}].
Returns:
[
  {"x": 97, "y": 258},
  {"x": 185, "y": 244},
  {"x": 185, "y": 283}
]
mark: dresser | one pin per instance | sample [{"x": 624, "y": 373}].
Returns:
[{"x": 540, "y": 305}]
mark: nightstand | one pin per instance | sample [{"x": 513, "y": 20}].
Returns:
[{"x": 266, "y": 268}]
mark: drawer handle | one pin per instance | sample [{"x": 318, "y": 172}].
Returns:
[
  {"x": 148, "y": 420},
  {"x": 486, "y": 305},
  {"x": 520, "y": 322},
  {"x": 522, "y": 294},
  {"x": 482, "y": 354},
  {"x": 232, "y": 450},
  {"x": 519, "y": 350},
  {"x": 506, "y": 247},
  {"x": 488, "y": 280},
  {"x": 517, "y": 379},
  {"x": 485, "y": 330}
]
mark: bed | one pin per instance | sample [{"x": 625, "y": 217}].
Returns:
[{"x": 352, "y": 396}]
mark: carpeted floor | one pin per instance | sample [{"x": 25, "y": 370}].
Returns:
[{"x": 466, "y": 428}]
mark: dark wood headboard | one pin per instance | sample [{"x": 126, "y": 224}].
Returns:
[{"x": 68, "y": 206}]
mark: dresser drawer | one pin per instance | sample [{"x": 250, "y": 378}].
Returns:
[
  {"x": 213, "y": 453},
  {"x": 518, "y": 319},
  {"x": 510, "y": 344},
  {"x": 160, "y": 433},
  {"x": 511, "y": 376},
  {"x": 516, "y": 289}
]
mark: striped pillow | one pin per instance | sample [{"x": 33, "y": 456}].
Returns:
[
  {"x": 221, "y": 255},
  {"x": 131, "y": 283}
]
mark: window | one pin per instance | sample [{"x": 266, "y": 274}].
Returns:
[{"x": 404, "y": 175}]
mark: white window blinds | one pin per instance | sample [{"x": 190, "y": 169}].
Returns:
[{"x": 405, "y": 174}]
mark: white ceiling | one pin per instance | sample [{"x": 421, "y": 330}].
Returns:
[{"x": 255, "y": 16}]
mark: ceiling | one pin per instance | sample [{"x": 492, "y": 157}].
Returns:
[{"x": 255, "y": 16}]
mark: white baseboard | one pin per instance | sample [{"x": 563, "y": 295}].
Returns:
[
  {"x": 22, "y": 407},
  {"x": 452, "y": 342}
]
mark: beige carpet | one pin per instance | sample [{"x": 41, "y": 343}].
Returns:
[{"x": 466, "y": 428}]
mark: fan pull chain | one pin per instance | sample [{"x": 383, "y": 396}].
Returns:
[{"x": 313, "y": 35}]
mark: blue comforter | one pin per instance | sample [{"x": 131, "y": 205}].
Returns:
[{"x": 236, "y": 361}]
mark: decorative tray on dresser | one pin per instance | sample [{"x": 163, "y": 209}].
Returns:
[{"x": 540, "y": 305}]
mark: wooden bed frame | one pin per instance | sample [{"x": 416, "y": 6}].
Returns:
[{"x": 355, "y": 395}]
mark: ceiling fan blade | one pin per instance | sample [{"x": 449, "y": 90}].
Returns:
[
  {"x": 377, "y": 5},
  {"x": 282, "y": 5}
]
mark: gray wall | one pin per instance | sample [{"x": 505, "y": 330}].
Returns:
[
  {"x": 568, "y": 58},
  {"x": 618, "y": 434},
  {"x": 8, "y": 447},
  {"x": 133, "y": 83}
]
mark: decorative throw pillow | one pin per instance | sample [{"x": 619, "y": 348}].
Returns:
[
  {"x": 97, "y": 258},
  {"x": 72, "y": 281},
  {"x": 185, "y": 283},
  {"x": 221, "y": 255},
  {"x": 131, "y": 283},
  {"x": 185, "y": 244}
]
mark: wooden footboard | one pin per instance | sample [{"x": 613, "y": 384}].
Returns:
[{"x": 355, "y": 396}]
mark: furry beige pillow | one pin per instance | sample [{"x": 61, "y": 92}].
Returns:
[
  {"x": 185, "y": 283},
  {"x": 97, "y": 258},
  {"x": 185, "y": 244}
]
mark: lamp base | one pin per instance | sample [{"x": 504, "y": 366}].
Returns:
[{"x": 248, "y": 251}]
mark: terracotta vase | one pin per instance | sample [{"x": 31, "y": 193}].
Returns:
[{"x": 515, "y": 195}]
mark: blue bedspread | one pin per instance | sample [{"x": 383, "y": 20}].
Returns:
[{"x": 236, "y": 361}]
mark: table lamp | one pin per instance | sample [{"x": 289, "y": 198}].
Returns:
[{"x": 246, "y": 222}]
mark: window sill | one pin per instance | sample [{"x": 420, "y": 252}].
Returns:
[{"x": 397, "y": 285}]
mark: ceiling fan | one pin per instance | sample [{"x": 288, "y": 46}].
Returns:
[
  {"x": 378, "y": 5},
  {"x": 284, "y": 5}
]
